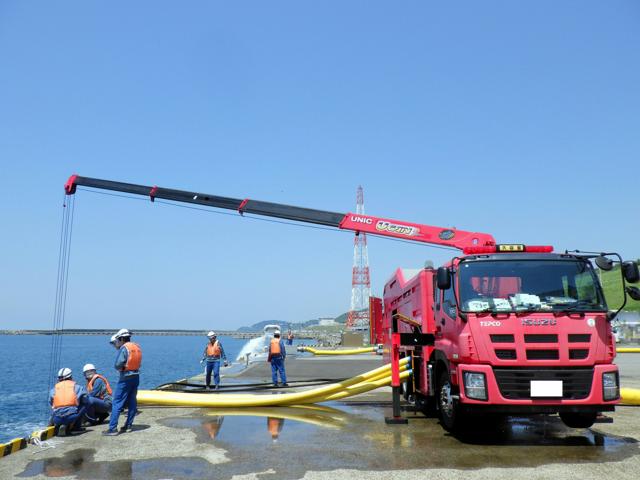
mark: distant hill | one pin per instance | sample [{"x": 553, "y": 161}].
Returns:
[{"x": 256, "y": 327}]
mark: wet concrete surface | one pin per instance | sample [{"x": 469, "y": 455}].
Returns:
[
  {"x": 346, "y": 439},
  {"x": 288, "y": 442}
]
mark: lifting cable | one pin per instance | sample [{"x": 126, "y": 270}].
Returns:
[{"x": 60, "y": 304}]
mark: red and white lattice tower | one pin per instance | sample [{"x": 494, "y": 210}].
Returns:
[{"x": 358, "y": 318}]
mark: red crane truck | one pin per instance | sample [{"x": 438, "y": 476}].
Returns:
[{"x": 506, "y": 329}]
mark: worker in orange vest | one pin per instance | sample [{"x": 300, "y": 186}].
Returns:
[
  {"x": 128, "y": 362},
  {"x": 68, "y": 401},
  {"x": 100, "y": 395},
  {"x": 277, "y": 354},
  {"x": 213, "y": 353}
]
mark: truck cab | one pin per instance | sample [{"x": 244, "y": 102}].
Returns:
[{"x": 515, "y": 333}]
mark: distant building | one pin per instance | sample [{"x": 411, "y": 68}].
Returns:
[{"x": 326, "y": 321}]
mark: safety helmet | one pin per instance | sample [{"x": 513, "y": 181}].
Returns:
[
  {"x": 123, "y": 332},
  {"x": 277, "y": 332},
  {"x": 64, "y": 373},
  {"x": 87, "y": 367},
  {"x": 211, "y": 334}
]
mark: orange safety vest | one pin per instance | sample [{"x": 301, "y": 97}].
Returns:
[
  {"x": 106, "y": 384},
  {"x": 213, "y": 350},
  {"x": 65, "y": 394},
  {"x": 134, "y": 360},
  {"x": 275, "y": 346}
]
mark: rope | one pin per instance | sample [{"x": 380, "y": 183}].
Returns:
[{"x": 62, "y": 280}]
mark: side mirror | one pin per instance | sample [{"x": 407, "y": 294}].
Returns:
[
  {"x": 634, "y": 292},
  {"x": 443, "y": 278},
  {"x": 631, "y": 272},
  {"x": 604, "y": 263}
]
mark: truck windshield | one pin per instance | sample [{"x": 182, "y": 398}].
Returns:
[{"x": 529, "y": 285}]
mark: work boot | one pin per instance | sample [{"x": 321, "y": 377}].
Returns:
[
  {"x": 62, "y": 431},
  {"x": 125, "y": 429},
  {"x": 217, "y": 387},
  {"x": 275, "y": 384},
  {"x": 110, "y": 433},
  {"x": 285, "y": 384}
]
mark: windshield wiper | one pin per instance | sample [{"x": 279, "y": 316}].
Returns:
[{"x": 575, "y": 306}]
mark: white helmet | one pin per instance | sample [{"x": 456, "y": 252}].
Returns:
[
  {"x": 123, "y": 332},
  {"x": 87, "y": 367},
  {"x": 64, "y": 373},
  {"x": 211, "y": 334},
  {"x": 277, "y": 332}
]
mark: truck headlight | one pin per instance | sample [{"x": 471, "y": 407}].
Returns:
[
  {"x": 610, "y": 388},
  {"x": 475, "y": 385}
]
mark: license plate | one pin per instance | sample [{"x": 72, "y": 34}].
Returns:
[{"x": 546, "y": 388}]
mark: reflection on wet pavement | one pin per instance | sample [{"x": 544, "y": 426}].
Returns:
[{"x": 289, "y": 441}]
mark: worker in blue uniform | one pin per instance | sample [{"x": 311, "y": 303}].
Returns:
[
  {"x": 100, "y": 395},
  {"x": 277, "y": 355},
  {"x": 68, "y": 401},
  {"x": 213, "y": 353},
  {"x": 128, "y": 362}
]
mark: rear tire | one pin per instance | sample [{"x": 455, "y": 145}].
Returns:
[
  {"x": 578, "y": 420},
  {"x": 451, "y": 416}
]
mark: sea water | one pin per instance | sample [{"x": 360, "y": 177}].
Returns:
[{"x": 25, "y": 375}]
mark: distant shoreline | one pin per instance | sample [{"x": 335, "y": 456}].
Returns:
[{"x": 109, "y": 332}]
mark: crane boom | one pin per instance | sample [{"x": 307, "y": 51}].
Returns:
[{"x": 451, "y": 237}]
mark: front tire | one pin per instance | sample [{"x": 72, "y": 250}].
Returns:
[
  {"x": 451, "y": 416},
  {"x": 578, "y": 420}
]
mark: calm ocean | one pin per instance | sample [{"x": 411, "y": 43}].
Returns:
[{"x": 24, "y": 380}]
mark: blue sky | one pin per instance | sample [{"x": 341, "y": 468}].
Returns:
[{"x": 519, "y": 119}]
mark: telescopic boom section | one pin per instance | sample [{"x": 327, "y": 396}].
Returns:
[{"x": 359, "y": 223}]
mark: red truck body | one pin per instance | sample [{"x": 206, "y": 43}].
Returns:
[{"x": 568, "y": 351}]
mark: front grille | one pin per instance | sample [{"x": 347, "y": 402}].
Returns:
[
  {"x": 515, "y": 383},
  {"x": 502, "y": 338},
  {"x": 541, "y": 338},
  {"x": 578, "y": 353},
  {"x": 579, "y": 337},
  {"x": 542, "y": 355},
  {"x": 506, "y": 354}
]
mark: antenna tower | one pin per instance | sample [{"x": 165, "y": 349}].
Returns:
[{"x": 358, "y": 318}]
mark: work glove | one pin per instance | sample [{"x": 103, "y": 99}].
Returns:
[
  {"x": 226, "y": 364},
  {"x": 201, "y": 362}
]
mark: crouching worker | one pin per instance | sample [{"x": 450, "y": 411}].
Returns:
[
  {"x": 128, "y": 361},
  {"x": 99, "y": 404},
  {"x": 68, "y": 401},
  {"x": 277, "y": 354}
]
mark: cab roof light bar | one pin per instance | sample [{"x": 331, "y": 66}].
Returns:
[{"x": 508, "y": 248}]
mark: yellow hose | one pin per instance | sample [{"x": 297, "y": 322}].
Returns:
[
  {"x": 353, "y": 351},
  {"x": 628, "y": 350},
  {"x": 356, "y": 387},
  {"x": 630, "y": 396},
  {"x": 168, "y": 398}
]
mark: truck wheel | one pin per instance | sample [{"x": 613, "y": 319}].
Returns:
[
  {"x": 578, "y": 420},
  {"x": 448, "y": 407}
]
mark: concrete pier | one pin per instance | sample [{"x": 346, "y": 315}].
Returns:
[{"x": 346, "y": 439}]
